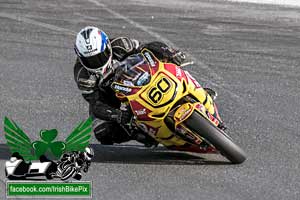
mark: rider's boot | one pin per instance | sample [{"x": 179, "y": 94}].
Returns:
[
  {"x": 147, "y": 140},
  {"x": 108, "y": 133}
]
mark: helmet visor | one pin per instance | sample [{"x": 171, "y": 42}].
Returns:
[{"x": 97, "y": 61}]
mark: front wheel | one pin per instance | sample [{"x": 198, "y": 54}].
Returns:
[
  {"x": 200, "y": 125},
  {"x": 68, "y": 172}
]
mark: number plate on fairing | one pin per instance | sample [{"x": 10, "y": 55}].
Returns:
[{"x": 161, "y": 93}]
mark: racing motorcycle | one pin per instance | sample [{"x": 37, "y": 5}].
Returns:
[
  {"x": 71, "y": 164},
  {"x": 166, "y": 104}
]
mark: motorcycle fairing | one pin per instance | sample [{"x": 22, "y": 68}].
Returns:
[{"x": 151, "y": 103}]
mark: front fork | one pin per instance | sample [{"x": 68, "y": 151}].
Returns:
[{"x": 183, "y": 112}]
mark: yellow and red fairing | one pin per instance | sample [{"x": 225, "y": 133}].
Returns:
[{"x": 152, "y": 102}]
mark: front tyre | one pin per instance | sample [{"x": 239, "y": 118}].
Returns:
[
  {"x": 200, "y": 125},
  {"x": 68, "y": 172}
]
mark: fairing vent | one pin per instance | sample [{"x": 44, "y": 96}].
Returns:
[{"x": 184, "y": 87}]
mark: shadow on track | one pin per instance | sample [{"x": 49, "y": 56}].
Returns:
[
  {"x": 137, "y": 154},
  {"x": 4, "y": 152}
]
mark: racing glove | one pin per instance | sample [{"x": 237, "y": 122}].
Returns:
[
  {"x": 87, "y": 84},
  {"x": 178, "y": 57},
  {"x": 165, "y": 53},
  {"x": 105, "y": 112},
  {"x": 121, "y": 117}
]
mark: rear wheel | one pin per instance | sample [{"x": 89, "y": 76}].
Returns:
[{"x": 219, "y": 139}]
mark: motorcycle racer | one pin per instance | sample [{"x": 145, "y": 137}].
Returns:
[{"x": 93, "y": 72}]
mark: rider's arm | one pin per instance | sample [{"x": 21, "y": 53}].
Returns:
[
  {"x": 85, "y": 81},
  {"x": 103, "y": 103},
  {"x": 165, "y": 53},
  {"x": 123, "y": 46},
  {"x": 90, "y": 92}
]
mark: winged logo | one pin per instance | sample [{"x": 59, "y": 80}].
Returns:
[{"x": 19, "y": 142}]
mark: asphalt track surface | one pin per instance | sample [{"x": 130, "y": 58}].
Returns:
[{"x": 249, "y": 53}]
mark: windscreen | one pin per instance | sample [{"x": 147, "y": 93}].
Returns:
[{"x": 133, "y": 71}]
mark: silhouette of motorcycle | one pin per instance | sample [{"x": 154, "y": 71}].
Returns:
[{"x": 71, "y": 164}]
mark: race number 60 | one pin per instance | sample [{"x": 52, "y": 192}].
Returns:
[{"x": 162, "y": 87}]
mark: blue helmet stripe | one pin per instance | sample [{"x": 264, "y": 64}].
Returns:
[{"x": 104, "y": 41}]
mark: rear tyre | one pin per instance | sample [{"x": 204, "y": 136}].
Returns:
[{"x": 201, "y": 126}]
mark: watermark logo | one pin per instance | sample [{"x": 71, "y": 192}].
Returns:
[
  {"x": 23, "y": 189},
  {"x": 48, "y": 158},
  {"x": 19, "y": 142}
]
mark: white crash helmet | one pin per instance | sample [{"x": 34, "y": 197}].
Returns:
[
  {"x": 93, "y": 49},
  {"x": 88, "y": 153}
]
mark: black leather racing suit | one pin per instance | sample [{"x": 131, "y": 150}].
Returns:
[{"x": 102, "y": 100}]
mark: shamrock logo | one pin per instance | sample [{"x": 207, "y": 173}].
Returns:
[
  {"x": 18, "y": 141},
  {"x": 47, "y": 136}
]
